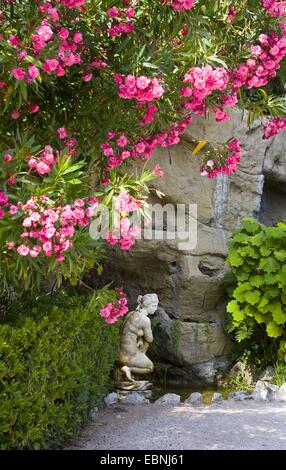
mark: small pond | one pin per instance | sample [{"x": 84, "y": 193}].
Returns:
[{"x": 185, "y": 390}]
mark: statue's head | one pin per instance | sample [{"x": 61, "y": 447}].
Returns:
[{"x": 149, "y": 302}]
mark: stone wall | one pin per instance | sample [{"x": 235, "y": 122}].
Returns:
[{"x": 189, "y": 325}]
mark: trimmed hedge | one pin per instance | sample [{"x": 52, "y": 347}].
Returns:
[{"x": 55, "y": 365}]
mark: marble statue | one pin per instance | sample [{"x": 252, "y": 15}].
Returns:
[{"x": 136, "y": 336}]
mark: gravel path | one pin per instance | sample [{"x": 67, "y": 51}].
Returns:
[{"x": 231, "y": 425}]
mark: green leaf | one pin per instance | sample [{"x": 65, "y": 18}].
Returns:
[
  {"x": 252, "y": 297},
  {"x": 237, "y": 314},
  {"x": 273, "y": 330},
  {"x": 251, "y": 225},
  {"x": 280, "y": 255},
  {"x": 269, "y": 265},
  {"x": 234, "y": 259},
  {"x": 264, "y": 250},
  {"x": 277, "y": 313}
]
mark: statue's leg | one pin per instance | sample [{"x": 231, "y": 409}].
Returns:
[
  {"x": 141, "y": 364},
  {"x": 141, "y": 370},
  {"x": 127, "y": 372}
]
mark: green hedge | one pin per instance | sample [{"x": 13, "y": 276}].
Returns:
[{"x": 55, "y": 365}]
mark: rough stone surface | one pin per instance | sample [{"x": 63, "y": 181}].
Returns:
[
  {"x": 265, "y": 391},
  {"x": 267, "y": 375},
  {"x": 111, "y": 398},
  {"x": 168, "y": 399},
  {"x": 190, "y": 323},
  {"x": 281, "y": 393},
  {"x": 272, "y": 391},
  {"x": 246, "y": 425},
  {"x": 134, "y": 398},
  {"x": 261, "y": 391},
  {"x": 217, "y": 399},
  {"x": 239, "y": 396},
  {"x": 94, "y": 413},
  {"x": 195, "y": 398}
]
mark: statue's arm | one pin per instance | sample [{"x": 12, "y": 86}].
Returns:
[{"x": 148, "y": 335}]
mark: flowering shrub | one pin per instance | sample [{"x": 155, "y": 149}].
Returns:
[{"x": 87, "y": 86}]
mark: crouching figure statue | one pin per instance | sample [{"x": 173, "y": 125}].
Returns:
[{"x": 136, "y": 336}]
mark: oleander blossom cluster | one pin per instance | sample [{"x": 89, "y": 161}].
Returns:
[
  {"x": 45, "y": 162},
  {"x": 48, "y": 229},
  {"x": 142, "y": 89},
  {"x": 225, "y": 85},
  {"x": 71, "y": 3},
  {"x": 180, "y": 5},
  {"x": 124, "y": 234},
  {"x": 118, "y": 149},
  {"x": 273, "y": 127},
  {"x": 126, "y": 203},
  {"x": 274, "y": 7},
  {"x": 6, "y": 207},
  {"x": 265, "y": 61},
  {"x": 211, "y": 169},
  {"x": 122, "y": 21},
  {"x": 202, "y": 82},
  {"x": 149, "y": 115},
  {"x": 112, "y": 311}
]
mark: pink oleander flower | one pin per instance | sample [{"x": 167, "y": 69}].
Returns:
[
  {"x": 157, "y": 171},
  {"x": 10, "y": 245},
  {"x": 112, "y": 311},
  {"x": 13, "y": 209},
  {"x": 120, "y": 28},
  {"x": 87, "y": 77},
  {"x": 113, "y": 12},
  {"x": 50, "y": 65},
  {"x": 18, "y": 73},
  {"x": 34, "y": 108},
  {"x": 220, "y": 115},
  {"x": 33, "y": 72},
  {"x": 3, "y": 199},
  {"x": 8, "y": 158},
  {"x": 122, "y": 141},
  {"x": 77, "y": 37},
  {"x": 232, "y": 13},
  {"x": 15, "y": 114},
  {"x": 63, "y": 33},
  {"x": 45, "y": 32},
  {"x": 126, "y": 203},
  {"x": 14, "y": 41},
  {"x": 22, "y": 55},
  {"x": 149, "y": 115},
  {"x": 180, "y": 5},
  {"x": 62, "y": 133},
  {"x": 98, "y": 64},
  {"x": 23, "y": 250}
]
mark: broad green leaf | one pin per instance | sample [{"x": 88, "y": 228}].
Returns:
[
  {"x": 279, "y": 316},
  {"x": 273, "y": 330},
  {"x": 252, "y": 297}
]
